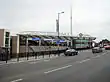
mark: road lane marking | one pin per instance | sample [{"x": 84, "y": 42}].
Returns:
[
  {"x": 84, "y": 60},
  {"x": 46, "y": 60},
  {"x": 58, "y": 69},
  {"x": 17, "y": 80},
  {"x": 103, "y": 53},
  {"x": 32, "y": 62},
  {"x": 35, "y": 62},
  {"x": 96, "y": 56}
]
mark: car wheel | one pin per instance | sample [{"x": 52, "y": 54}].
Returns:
[
  {"x": 72, "y": 54},
  {"x": 77, "y": 53}
]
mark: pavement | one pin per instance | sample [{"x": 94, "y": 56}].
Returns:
[
  {"x": 85, "y": 67},
  {"x": 24, "y": 59}
]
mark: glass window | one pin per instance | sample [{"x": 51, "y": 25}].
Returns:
[
  {"x": 22, "y": 40},
  {"x": 6, "y": 45},
  {"x": 6, "y": 40},
  {"x": 7, "y": 34}
]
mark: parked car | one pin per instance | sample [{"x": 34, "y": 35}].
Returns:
[
  {"x": 107, "y": 47},
  {"x": 71, "y": 52},
  {"x": 97, "y": 50}
]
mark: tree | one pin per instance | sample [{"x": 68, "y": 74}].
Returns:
[{"x": 105, "y": 41}]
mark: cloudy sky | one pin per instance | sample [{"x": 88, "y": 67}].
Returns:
[{"x": 89, "y": 16}]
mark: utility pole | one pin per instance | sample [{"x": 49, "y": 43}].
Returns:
[
  {"x": 71, "y": 21},
  {"x": 27, "y": 48},
  {"x": 71, "y": 25},
  {"x": 57, "y": 21}
]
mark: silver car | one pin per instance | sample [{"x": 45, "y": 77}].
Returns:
[
  {"x": 96, "y": 50},
  {"x": 71, "y": 52}
]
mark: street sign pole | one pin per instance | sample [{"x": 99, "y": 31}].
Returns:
[{"x": 27, "y": 47}]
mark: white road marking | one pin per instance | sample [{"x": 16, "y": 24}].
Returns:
[
  {"x": 34, "y": 62},
  {"x": 97, "y": 56},
  {"x": 17, "y": 80},
  {"x": 46, "y": 60},
  {"x": 103, "y": 53},
  {"x": 84, "y": 60},
  {"x": 58, "y": 69},
  {"x": 94, "y": 57}
]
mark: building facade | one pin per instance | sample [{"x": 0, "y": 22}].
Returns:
[
  {"x": 29, "y": 42},
  {"x": 4, "y": 44},
  {"x": 34, "y": 41},
  {"x": 4, "y": 38}
]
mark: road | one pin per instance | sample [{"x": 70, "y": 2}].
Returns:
[{"x": 85, "y": 67}]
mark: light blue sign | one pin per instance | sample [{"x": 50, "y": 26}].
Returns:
[{"x": 35, "y": 39}]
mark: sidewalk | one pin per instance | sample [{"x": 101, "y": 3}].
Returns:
[{"x": 24, "y": 59}]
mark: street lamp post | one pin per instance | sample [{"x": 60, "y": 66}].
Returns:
[
  {"x": 27, "y": 48},
  {"x": 58, "y": 22},
  {"x": 58, "y": 30}
]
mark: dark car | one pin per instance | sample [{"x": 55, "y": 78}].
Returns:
[
  {"x": 96, "y": 50},
  {"x": 71, "y": 52}
]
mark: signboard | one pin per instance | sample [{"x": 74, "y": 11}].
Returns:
[
  {"x": 80, "y": 35},
  {"x": 60, "y": 41},
  {"x": 48, "y": 39},
  {"x": 29, "y": 38},
  {"x": 35, "y": 39}
]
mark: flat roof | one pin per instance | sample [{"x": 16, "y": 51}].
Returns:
[{"x": 53, "y": 35}]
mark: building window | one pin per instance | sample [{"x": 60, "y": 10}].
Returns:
[
  {"x": 6, "y": 40},
  {"x": 7, "y": 34},
  {"x": 6, "y": 45},
  {"x": 22, "y": 40}
]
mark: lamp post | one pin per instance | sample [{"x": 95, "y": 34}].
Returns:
[
  {"x": 27, "y": 48},
  {"x": 58, "y": 22},
  {"x": 58, "y": 29}
]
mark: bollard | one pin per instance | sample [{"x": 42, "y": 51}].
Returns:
[
  {"x": 43, "y": 54},
  {"x": 6, "y": 53},
  {"x": 36, "y": 55},
  {"x": 17, "y": 57},
  {"x": 49, "y": 54},
  {"x": 6, "y": 59},
  {"x": 27, "y": 56},
  {"x": 58, "y": 53}
]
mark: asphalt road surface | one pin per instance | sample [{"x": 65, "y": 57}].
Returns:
[{"x": 85, "y": 67}]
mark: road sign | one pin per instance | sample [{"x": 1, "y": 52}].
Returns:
[{"x": 80, "y": 35}]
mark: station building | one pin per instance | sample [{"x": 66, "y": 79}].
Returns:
[{"x": 35, "y": 41}]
